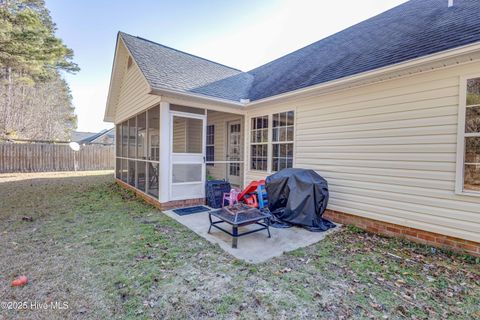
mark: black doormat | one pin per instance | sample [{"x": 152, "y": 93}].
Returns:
[{"x": 190, "y": 210}]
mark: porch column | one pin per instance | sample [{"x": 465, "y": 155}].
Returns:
[{"x": 164, "y": 170}]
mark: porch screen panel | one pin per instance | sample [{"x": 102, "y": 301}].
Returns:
[
  {"x": 152, "y": 178},
  {"x": 131, "y": 172},
  {"x": 125, "y": 170},
  {"x": 187, "y": 173},
  {"x": 142, "y": 136},
  {"x": 125, "y": 139},
  {"x": 118, "y": 167},
  {"x": 118, "y": 141},
  {"x": 138, "y": 148},
  {"x": 153, "y": 116},
  {"x": 141, "y": 175},
  {"x": 132, "y": 137},
  {"x": 187, "y": 135}
]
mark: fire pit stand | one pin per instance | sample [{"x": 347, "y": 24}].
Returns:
[{"x": 237, "y": 216}]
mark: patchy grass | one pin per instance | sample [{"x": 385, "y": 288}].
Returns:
[{"x": 110, "y": 255}]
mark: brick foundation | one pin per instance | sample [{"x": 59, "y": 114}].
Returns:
[
  {"x": 162, "y": 205},
  {"x": 415, "y": 235}
]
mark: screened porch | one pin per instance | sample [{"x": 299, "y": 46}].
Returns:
[{"x": 168, "y": 152}]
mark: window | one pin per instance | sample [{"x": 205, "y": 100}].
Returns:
[
  {"x": 234, "y": 149},
  {"x": 470, "y": 176},
  {"x": 259, "y": 143},
  {"x": 210, "y": 152},
  {"x": 282, "y": 140}
]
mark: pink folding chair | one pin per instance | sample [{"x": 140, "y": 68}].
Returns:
[{"x": 231, "y": 197}]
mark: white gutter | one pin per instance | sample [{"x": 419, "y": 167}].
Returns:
[{"x": 165, "y": 91}]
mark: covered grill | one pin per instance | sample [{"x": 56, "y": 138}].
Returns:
[{"x": 299, "y": 197}]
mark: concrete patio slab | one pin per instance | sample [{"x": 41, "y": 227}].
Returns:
[{"x": 255, "y": 247}]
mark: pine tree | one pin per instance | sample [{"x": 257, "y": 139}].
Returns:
[{"x": 31, "y": 58}]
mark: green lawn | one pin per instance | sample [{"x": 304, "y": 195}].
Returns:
[{"x": 109, "y": 255}]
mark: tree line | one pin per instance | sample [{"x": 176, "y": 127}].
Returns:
[{"x": 35, "y": 100}]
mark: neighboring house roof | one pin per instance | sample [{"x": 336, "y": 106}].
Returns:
[
  {"x": 89, "y": 137},
  {"x": 78, "y": 136},
  {"x": 414, "y": 29}
]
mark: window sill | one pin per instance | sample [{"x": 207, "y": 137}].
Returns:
[
  {"x": 468, "y": 193},
  {"x": 259, "y": 171}
]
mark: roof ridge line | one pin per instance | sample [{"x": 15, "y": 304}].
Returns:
[
  {"x": 184, "y": 52},
  {"x": 328, "y": 37}
]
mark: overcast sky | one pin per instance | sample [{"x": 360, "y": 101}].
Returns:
[{"x": 242, "y": 34}]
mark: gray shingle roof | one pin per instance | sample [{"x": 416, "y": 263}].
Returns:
[
  {"x": 414, "y": 29},
  {"x": 78, "y": 136},
  {"x": 87, "y": 137},
  {"x": 169, "y": 68}
]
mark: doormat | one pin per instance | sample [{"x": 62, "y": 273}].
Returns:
[{"x": 190, "y": 210}]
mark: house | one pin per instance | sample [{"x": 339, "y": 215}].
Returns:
[
  {"x": 388, "y": 111},
  {"x": 105, "y": 137}
]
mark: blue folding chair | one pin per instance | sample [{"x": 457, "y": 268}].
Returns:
[{"x": 262, "y": 197}]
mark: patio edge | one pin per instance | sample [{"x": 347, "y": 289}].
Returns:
[{"x": 370, "y": 225}]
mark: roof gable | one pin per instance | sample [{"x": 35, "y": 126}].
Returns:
[{"x": 167, "y": 68}]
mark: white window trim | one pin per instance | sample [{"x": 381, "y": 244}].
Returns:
[
  {"x": 283, "y": 142},
  {"x": 210, "y": 163},
  {"x": 270, "y": 139},
  {"x": 460, "y": 164},
  {"x": 267, "y": 143}
]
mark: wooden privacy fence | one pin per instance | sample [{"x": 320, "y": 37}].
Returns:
[{"x": 38, "y": 157}]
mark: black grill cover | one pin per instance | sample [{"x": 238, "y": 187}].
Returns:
[{"x": 299, "y": 197}]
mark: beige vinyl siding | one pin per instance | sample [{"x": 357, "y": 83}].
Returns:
[
  {"x": 133, "y": 94},
  {"x": 220, "y": 121},
  {"x": 388, "y": 151}
]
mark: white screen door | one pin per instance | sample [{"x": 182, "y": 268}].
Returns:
[{"x": 187, "y": 179}]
